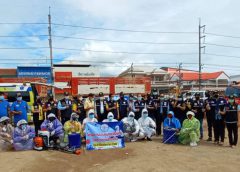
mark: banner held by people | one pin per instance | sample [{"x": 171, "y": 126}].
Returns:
[{"x": 104, "y": 135}]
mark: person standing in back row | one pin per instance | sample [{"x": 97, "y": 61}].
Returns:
[
  {"x": 51, "y": 106},
  {"x": 19, "y": 109},
  {"x": 179, "y": 108},
  {"x": 4, "y": 106},
  {"x": 198, "y": 109},
  {"x": 111, "y": 106},
  {"x": 123, "y": 107},
  {"x": 101, "y": 107},
  {"x": 232, "y": 121},
  {"x": 38, "y": 115},
  {"x": 210, "y": 106},
  {"x": 89, "y": 104},
  {"x": 65, "y": 107}
]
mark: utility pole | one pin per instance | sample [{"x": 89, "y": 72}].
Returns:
[
  {"x": 180, "y": 76},
  {"x": 50, "y": 47},
  {"x": 132, "y": 72},
  {"x": 201, "y": 29}
]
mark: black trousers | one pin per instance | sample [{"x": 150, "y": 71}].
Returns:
[
  {"x": 37, "y": 125},
  {"x": 219, "y": 127},
  {"x": 232, "y": 133},
  {"x": 64, "y": 119},
  {"x": 159, "y": 121},
  {"x": 210, "y": 123}
]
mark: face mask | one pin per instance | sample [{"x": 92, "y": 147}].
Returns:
[
  {"x": 110, "y": 118},
  {"x": 23, "y": 127},
  {"x": 179, "y": 99},
  {"x": 231, "y": 101},
  {"x": 161, "y": 98},
  {"x": 67, "y": 97},
  {"x": 80, "y": 98},
  {"x": 74, "y": 118},
  {"x": 1, "y": 97},
  {"x": 145, "y": 115},
  {"x": 51, "y": 119},
  {"x": 91, "y": 116},
  {"x": 131, "y": 99},
  {"x": 19, "y": 98},
  {"x": 139, "y": 98},
  {"x": 101, "y": 98},
  {"x": 188, "y": 97}
]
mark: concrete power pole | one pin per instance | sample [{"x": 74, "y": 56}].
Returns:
[
  {"x": 50, "y": 47},
  {"x": 180, "y": 76},
  {"x": 201, "y": 29}
]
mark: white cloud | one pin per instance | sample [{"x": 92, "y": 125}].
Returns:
[{"x": 157, "y": 15}]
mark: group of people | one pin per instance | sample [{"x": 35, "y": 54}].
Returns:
[{"x": 142, "y": 117}]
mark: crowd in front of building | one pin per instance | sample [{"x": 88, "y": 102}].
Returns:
[{"x": 143, "y": 116}]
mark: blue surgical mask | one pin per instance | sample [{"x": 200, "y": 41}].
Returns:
[
  {"x": 91, "y": 116},
  {"x": 1, "y": 97},
  {"x": 110, "y": 118},
  {"x": 139, "y": 98},
  {"x": 24, "y": 127},
  {"x": 19, "y": 98},
  {"x": 145, "y": 115}
]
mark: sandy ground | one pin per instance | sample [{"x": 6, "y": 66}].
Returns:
[{"x": 140, "y": 156}]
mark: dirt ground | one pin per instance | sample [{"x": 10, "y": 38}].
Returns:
[{"x": 140, "y": 156}]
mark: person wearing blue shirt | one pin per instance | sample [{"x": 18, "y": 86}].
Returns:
[
  {"x": 4, "y": 106},
  {"x": 19, "y": 109}
]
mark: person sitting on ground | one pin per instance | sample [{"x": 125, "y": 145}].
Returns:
[
  {"x": 23, "y": 136},
  {"x": 147, "y": 126},
  {"x": 171, "y": 122},
  {"x": 130, "y": 127},
  {"x": 90, "y": 118},
  {"x": 72, "y": 126},
  {"x": 55, "y": 128},
  {"x": 6, "y": 131},
  {"x": 110, "y": 118},
  {"x": 190, "y": 132}
]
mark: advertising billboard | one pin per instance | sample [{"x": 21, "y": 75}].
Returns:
[{"x": 34, "y": 72}]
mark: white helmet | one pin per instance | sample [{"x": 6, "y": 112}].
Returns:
[
  {"x": 110, "y": 114},
  {"x": 51, "y": 115},
  {"x": 4, "y": 118},
  {"x": 21, "y": 122},
  {"x": 190, "y": 113}
]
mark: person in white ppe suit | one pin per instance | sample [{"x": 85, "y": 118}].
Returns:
[
  {"x": 110, "y": 118},
  {"x": 130, "y": 127},
  {"x": 6, "y": 131},
  {"x": 23, "y": 136},
  {"x": 147, "y": 126},
  {"x": 90, "y": 118}
]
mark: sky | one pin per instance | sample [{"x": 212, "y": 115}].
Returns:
[{"x": 166, "y": 22}]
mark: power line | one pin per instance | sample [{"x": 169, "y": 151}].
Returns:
[
  {"x": 21, "y": 36},
  {"x": 221, "y": 45},
  {"x": 221, "y": 35},
  {"x": 21, "y": 48},
  {"x": 24, "y": 23},
  {"x": 132, "y": 42},
  {"x": 221, "y": 55},
  {"x": 101, "y": 40},
  {"x": 119, "y": 30}
]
